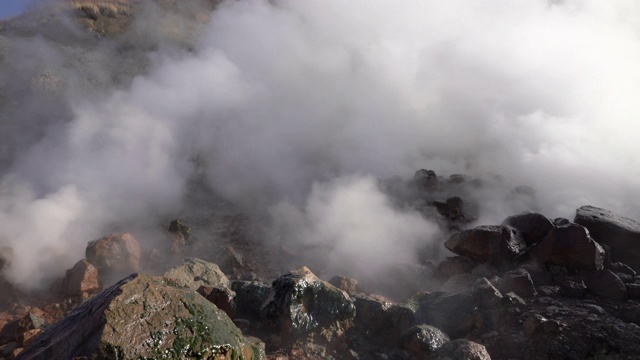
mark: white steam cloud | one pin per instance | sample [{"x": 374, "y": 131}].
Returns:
[{"x": 277, "y": 96}]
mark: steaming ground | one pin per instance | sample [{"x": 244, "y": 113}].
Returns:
[{"x": 292, "y": 109}]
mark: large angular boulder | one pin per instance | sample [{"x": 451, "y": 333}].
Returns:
[
  {"x": 144, "y": 317},
  {"x": 250, "y": 295},
  {"x": 381, "y": 320},
  {"x": 115, "y": 256},
  {"x": 299, "y": 302},
  {"x": 532, "y": 226},
  {"x": 497, "y": 244},
  {"x": 570, "y": 246},
  {"x": 194, "y": 273},
  {"x": 519, "y": 281},
  {"x": 81, "y": 278},
  {"x": 620, "y": 234},
  {"x": 426, "y": 180}
]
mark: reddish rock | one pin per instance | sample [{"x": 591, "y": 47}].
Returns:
[
  {"x": 606, "y": 284},
  {"x": 12, "y": 331},
  {"x": 119, "y": 253},
  {"x": 532, "y": 226},
  {"x": 27, "y": 337},
  {"x": 82, "y": 278},
  {"x": 569, "y": 246},
  {"x": 223, "y": 297},
  {"x": 489, "y": 242},
  {"x": 344, "y": 283},
  {"x": 519, "y": 281}
]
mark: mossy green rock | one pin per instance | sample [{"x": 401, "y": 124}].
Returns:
[{"x": 144, "y": 317}]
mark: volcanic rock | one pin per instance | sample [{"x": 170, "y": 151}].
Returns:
[
  {"x": 81, "y": 278},
  {"x": 452, "y": 209},
  {"x": 193, "y": 273},
  {"x": 532, "y": 226},
  {"x": 381, "y": 320},
  {"x": 569, "y": 246},
  {"x": 115, "y": 256},
  {"x": 573, "y": 289},
  {"x": 6, "y": 258},
  {"x": 454, "y": 265},
  {"x": 344, "y": 283},
  {"x": 222, "y": 297},
  {"x": 12, "y": 331},
  {"x": 458, "y": 283},
  {"x": 519, "y": 281},
  {"x": 421, "y": 340},
  {"x": 250, "y": 295},
  {"x": 452, "y": 313},
  {"x": 426, "y": 180},
  {"x": 498, "y": 244},
  {"x": 620, "y": 234},
  {"x": 618, "y": 267},
  {"x": 606, "y": 284},
  {"x": 461, "y": 349},
  {"x": 300, "y": 302},
  {"x": 144, "y": 317},
  {"x": 487, "y": 295}
]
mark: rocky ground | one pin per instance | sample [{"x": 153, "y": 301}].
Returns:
[{"x": 529, "y": 288}]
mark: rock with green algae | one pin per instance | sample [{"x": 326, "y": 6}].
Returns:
[{"x": 144, "y": 317}]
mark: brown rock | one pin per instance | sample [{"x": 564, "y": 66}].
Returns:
[
  {"x": 114, "y": 256},
  {"x": 519, "y": 281},
  {"x": 606, "y": 284},
  {"x": 222, "y": 297},
  {"x": 620, "y": 234},
  {"x": 82, "y": 278},
  {"x": 461, "y": 349},
  {"x": 12, "y": 331},
  {"x": 569, "y": 246},
  {"x": 27, "y": 337},
  {"x": 458, "y": 283},
  {"x": 532, "y": 226},
  {"x": 344, "y": 283},
  {"x": 496, "y": 243}
]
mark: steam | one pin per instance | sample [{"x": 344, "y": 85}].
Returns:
[{"x": 293, "y": 107}]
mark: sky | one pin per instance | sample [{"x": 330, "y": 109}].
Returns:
[{"x": 10, "y": 8}]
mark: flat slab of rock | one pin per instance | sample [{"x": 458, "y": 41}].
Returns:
[
  {"x": 143, "y": 317},
  {"x": 620, "y": 234}
]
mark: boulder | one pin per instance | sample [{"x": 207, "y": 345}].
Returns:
[
  {"x": 569, "y": 246},
  {"x": 606, "y": 284},
  {"x": 115, "y": 256},
  {"x": 250, "y": 295},
  {"x": 452, "y": 313},
  {"x": 144, "y": 317},
  {"x": 454, "y": 265},
  {"x": 299, "y": 302},
  {"x": 519, "y": 281},
  {"x": 381, "y": 320},
  {"x": 179, "y": 237},
  {"x": 461, "y": 349},
  {"x": 487, "y": 295},
  {"x": 458, "y": 283},
  {"x": 620, "y": 234},
  {"x": 193, "y": 273},
  {"x": 81, "y": 278},
  {"x": 573, "y": 289},
  {"x": 497, "y": 244},
  {"x": 452, "y": 209},
  {"x": 422, "y": 340},
  {"x": 426, "y": 180},
  {"x": 532, "y": 226}
]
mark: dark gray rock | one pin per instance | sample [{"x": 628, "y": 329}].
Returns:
[
  {"x": 606, "y": 284},
  {"x": 519, "y": 281},
  {"x": 452, "y": 313},
  {"x": 569, "y": 246},
  {"x": 533, "y": 226},
  {"x": 620, "y": 234},
  {"x": 299, "y": 302},
  {"x": 496, "y": 244},
  {"x": 461, "y": 349},
  {"x": 250, "y": 295},
  {"x": 421, "y": 340}
]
